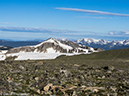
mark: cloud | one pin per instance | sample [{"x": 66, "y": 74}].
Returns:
[
  {"x": 28, "y": 29},
  {"x": 94, "y": 12},
  {"x": 26, "y": 33},
  {"x": 87, "y": 27},
  {"x": 49, "y": 25},
  {"x": 41, "y": 30},
  {"x": 91, "y": 17},
  {"x": 9, "y": 23},
  {"x": 118, "y": 33}
]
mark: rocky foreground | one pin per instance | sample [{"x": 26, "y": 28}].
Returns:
[{"x": 42, "y": 78}]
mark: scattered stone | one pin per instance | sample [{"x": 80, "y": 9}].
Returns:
[
  {"x": 94, "y": 89},
  {"x": 105, "y": 68},
  {"x": 36, "y": 78},
  {"x": 76, "y": 65},
  {"x": 47, "y": 88},
  {"x": 21, "y": 67},
  {"x": 113, "y": 88}
]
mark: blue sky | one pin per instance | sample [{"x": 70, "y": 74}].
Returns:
[{"x": 72, "y": 19}]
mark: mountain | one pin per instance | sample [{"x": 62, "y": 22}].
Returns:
[
  {"x": 53, "y": 46},
  {"x": 18, "y": 43},
  {"x": 49, "y": 49},
  {"x": 107, "y": 45},
  {"x": 5, "y": 47}
]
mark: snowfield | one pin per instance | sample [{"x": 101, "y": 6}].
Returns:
[{"x": 35, "y": 56}]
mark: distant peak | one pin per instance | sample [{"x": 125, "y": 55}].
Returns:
[{"x": 51, "y": 38}]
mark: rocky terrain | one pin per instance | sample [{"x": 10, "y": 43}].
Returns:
[
  {"x": 40, "y": 78},
  {"x": 82, "y": 75}
]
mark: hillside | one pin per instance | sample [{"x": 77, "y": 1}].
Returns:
[{"x": 120, "y": 54}]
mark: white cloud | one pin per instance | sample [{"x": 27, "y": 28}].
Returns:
[
  {"x": 9, "y": 23},
  {"x": 118, "y": 33},
  {"x": 88, "y": 27},
  {"x": 49, "y": 25},
  {"x": 94, "y": 12},
  {"x": 91, "y": 17},
  {"x": 29, "y": 29},
  {"x": 40, "y": 30}
]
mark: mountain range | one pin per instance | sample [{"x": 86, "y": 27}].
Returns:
[
  {"x": 106, "y": 45},
  {"x": 101, "y": 43},
  {"x": 48, "y": 49}
]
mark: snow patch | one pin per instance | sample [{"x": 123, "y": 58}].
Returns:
[
  {"x": 51, "y": 50},
  {"x": 36, "y": 56},
  {"x": 2, "y": 57},
  {"x": 65, "y": 46},
  {"x": 3, "y": 51}
]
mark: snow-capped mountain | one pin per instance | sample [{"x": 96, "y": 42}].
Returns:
[
  {"x": 49, "y": 49},
  {"x": 107, "y": 45},
  {"x": 53, "y": 46},
  {"x": 90, "y": 41}
]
